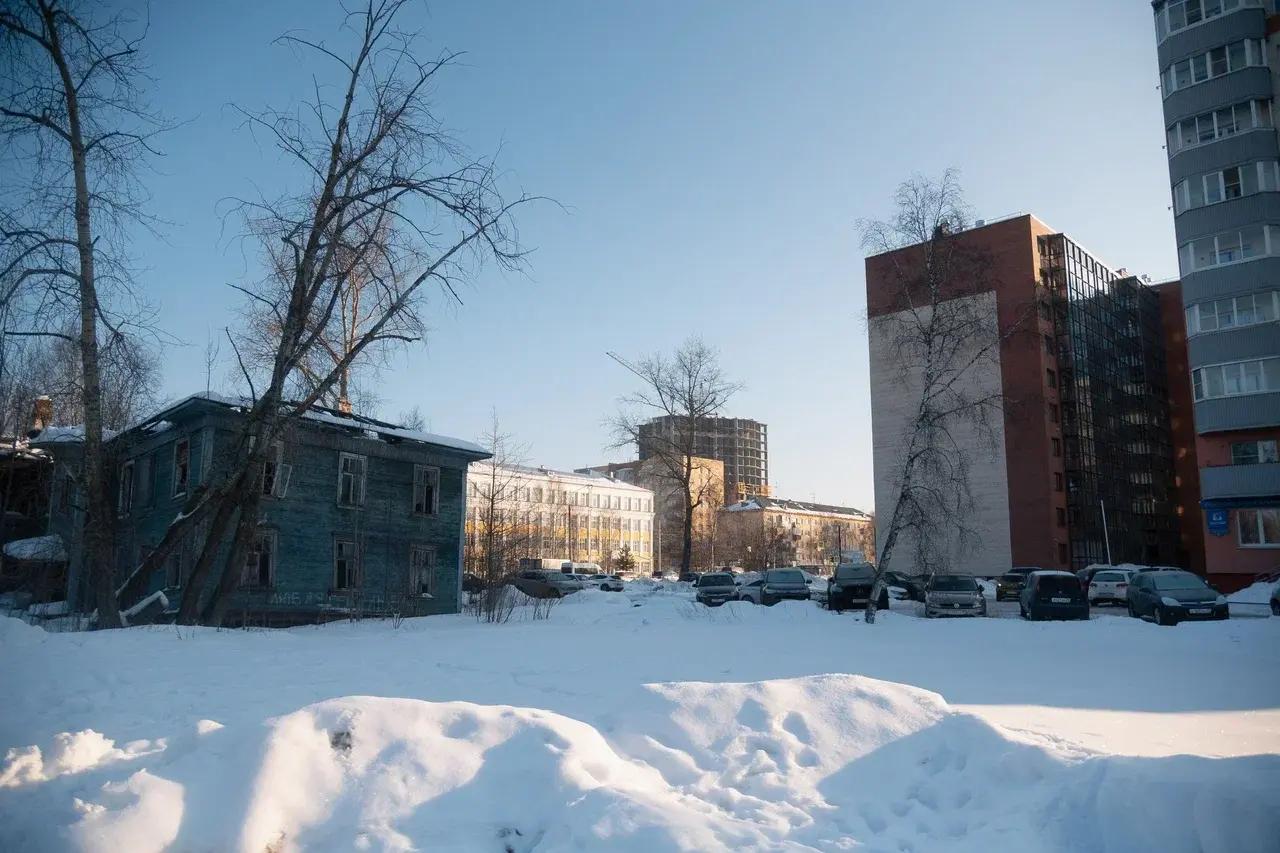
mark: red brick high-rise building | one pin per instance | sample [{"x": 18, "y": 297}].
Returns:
[{"x": 1083, "y": 469}]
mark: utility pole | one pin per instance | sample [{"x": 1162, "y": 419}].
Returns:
[{"x": 1106, "y": 534}]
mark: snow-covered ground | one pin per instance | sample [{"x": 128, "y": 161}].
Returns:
[{"x": 641, "y": 721}]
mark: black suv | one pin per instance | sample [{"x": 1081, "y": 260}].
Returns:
[
  {"x": 1053, "y": 595},
  {"x": 850, "y": 587}
]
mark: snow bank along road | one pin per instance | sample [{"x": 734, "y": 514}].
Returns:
[{"x": 644, "y": 722}]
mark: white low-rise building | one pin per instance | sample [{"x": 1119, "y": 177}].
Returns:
[{"x": 538, "y": 512}]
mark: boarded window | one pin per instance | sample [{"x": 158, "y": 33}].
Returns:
[{"x": 346, "y": 564}]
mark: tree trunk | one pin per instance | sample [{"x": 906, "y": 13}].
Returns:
[
  {"x": 229, "y": 582},
  {"x": 97, "y": 555}
]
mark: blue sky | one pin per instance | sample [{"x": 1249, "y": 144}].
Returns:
[{"x": 714, "y": 158}]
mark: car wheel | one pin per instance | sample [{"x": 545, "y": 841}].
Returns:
[{"x": 1160, "y": 618}]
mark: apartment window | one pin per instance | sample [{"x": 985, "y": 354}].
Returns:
[
  {"x": 351, "y": 475},
  {"x": 1218, "y": 124},
  {"x": 1176, "y": 15},
  {"x": 346, "y": 564},
  {"x": 1258, "y": 528},
  {"x": 1235, "y": 312},
  {"x": 422, "y": 571},
  {"x": 1254, "y": 452},
  {"x": 1062, "y": 552},
  {"x": 1048, "y": 345},
  {"x": 1053, "y": 413},
  {"x": 1061, "y": 513},
  {"x": 1056, "y": 444},
  {"x": 1212, "y": 63},
  {"x": 537, "y": 494},
  {"x": 259, "y": 569},
  {"x": 1057, "y": 481},
  {"x": 124, "y": 497},
  {"x": 1051, "y": 377},
  {"x": 1229, "y": 247},
  {"x": 1236, "y": 379},
  {"x": 181, "y": 466},
  {"x": 426, "y": 490},
  {"x": 1226, "y": 184}
]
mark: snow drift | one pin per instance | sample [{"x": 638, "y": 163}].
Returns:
[{"x": 823, "y": 762}]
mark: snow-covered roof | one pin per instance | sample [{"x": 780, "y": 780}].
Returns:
[
  {"x": 593, "y": 479},
  {"x": 376, "y": 428},
  {"x": 759, "y": 502},
  {"x": 45, "y": 548}
]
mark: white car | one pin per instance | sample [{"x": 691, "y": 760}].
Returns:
[
  {"x": 607, "y": 583},
  {"x": 1110, "y": 585}
]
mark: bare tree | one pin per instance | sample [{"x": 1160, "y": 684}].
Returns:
[
  {"x": 946, "y": 345},
  {"x": 687, "y": 387},
  {"x": 71, "y": 119},
  {"x": 499, "y": 534},
  {"x": 386, "y": 198}
]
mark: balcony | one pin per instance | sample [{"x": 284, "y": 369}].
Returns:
[{"x": 1240, "y": 481}]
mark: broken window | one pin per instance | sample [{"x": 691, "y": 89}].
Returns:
[{"x": 426, "y": 490}]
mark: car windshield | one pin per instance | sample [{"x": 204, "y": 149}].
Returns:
[
  {"x": 954, "y": 583},
  {"x": 855, "y": 572},
  {"x": 1170, "y": 581},
  {"x": 1058, "y": 583},
  {"x": 785, "y": 576},
  {"x": 1107, "y": 577},
  {"x": 715, "y": 580}
]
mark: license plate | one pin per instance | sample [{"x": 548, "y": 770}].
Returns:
[
  {"x": 1200, "y": 611},
  {"x": 1060, "y": 600}
]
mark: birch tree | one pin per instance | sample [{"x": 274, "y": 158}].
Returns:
[
  {"x": 74, "y": 130},
  {"x": 383, "y": 195},
  {"x": 943, "y": 344}
]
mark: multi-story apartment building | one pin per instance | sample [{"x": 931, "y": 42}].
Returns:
[
  {"x": 740, "y": 443},
  {"x": 706, "y": 491},
  {"x": 559, "y": 515},
  {"x": 762, "y": 532},
  {"x": 1218, "y": 67},
  {"x": 1079, "y": 467}
]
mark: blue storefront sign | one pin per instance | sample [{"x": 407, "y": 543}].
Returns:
[{"x": 1217, "y": 521}]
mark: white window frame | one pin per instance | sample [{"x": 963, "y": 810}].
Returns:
[
  {"x": 1182, "y": 201},
  {"x": 1195, "y": 314},
  {"x": 423, "y": 473},
  {"x": 186, "y": 484},
  {"x": 124, "y": 496},
  {"x": 1186, "y": 252},
  {"x": 358, "y": 485},
  {"x": 1254, "y": 56},
  {"x": 1226, "y": 7},
  {"x": 1198, "y": 379},
  {"x": 270, "y": 538},
  {"x": 415, "y": 578},
  {"x": 356, "y": 572},
  {"x": 1173, "y": 133},
  {"x": 1254, "y": 514}
]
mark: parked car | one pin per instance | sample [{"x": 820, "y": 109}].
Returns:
[
  {"x": 1087, "y": 574},
  {"x": 1142, "y": 569},
  {"x": 775, "y": 585},
  {"x": 850, "y": 587},
  {"x": 954, "y": 595},
  {"x": 913, "y": 584},
  {"x": 1275, "y": 601},
  {"x": 607, "y": 583},
  {"x": 688, "y": 577},
  {"x": 540, "y": 583},
  {"x": 1168, "y": 598},
  {"x": 1009, "y": 585},
  {"x": 1110, "y": 585},
  {"x": 1053, "y": 595},
  {"x": 715, "y": 588}
]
